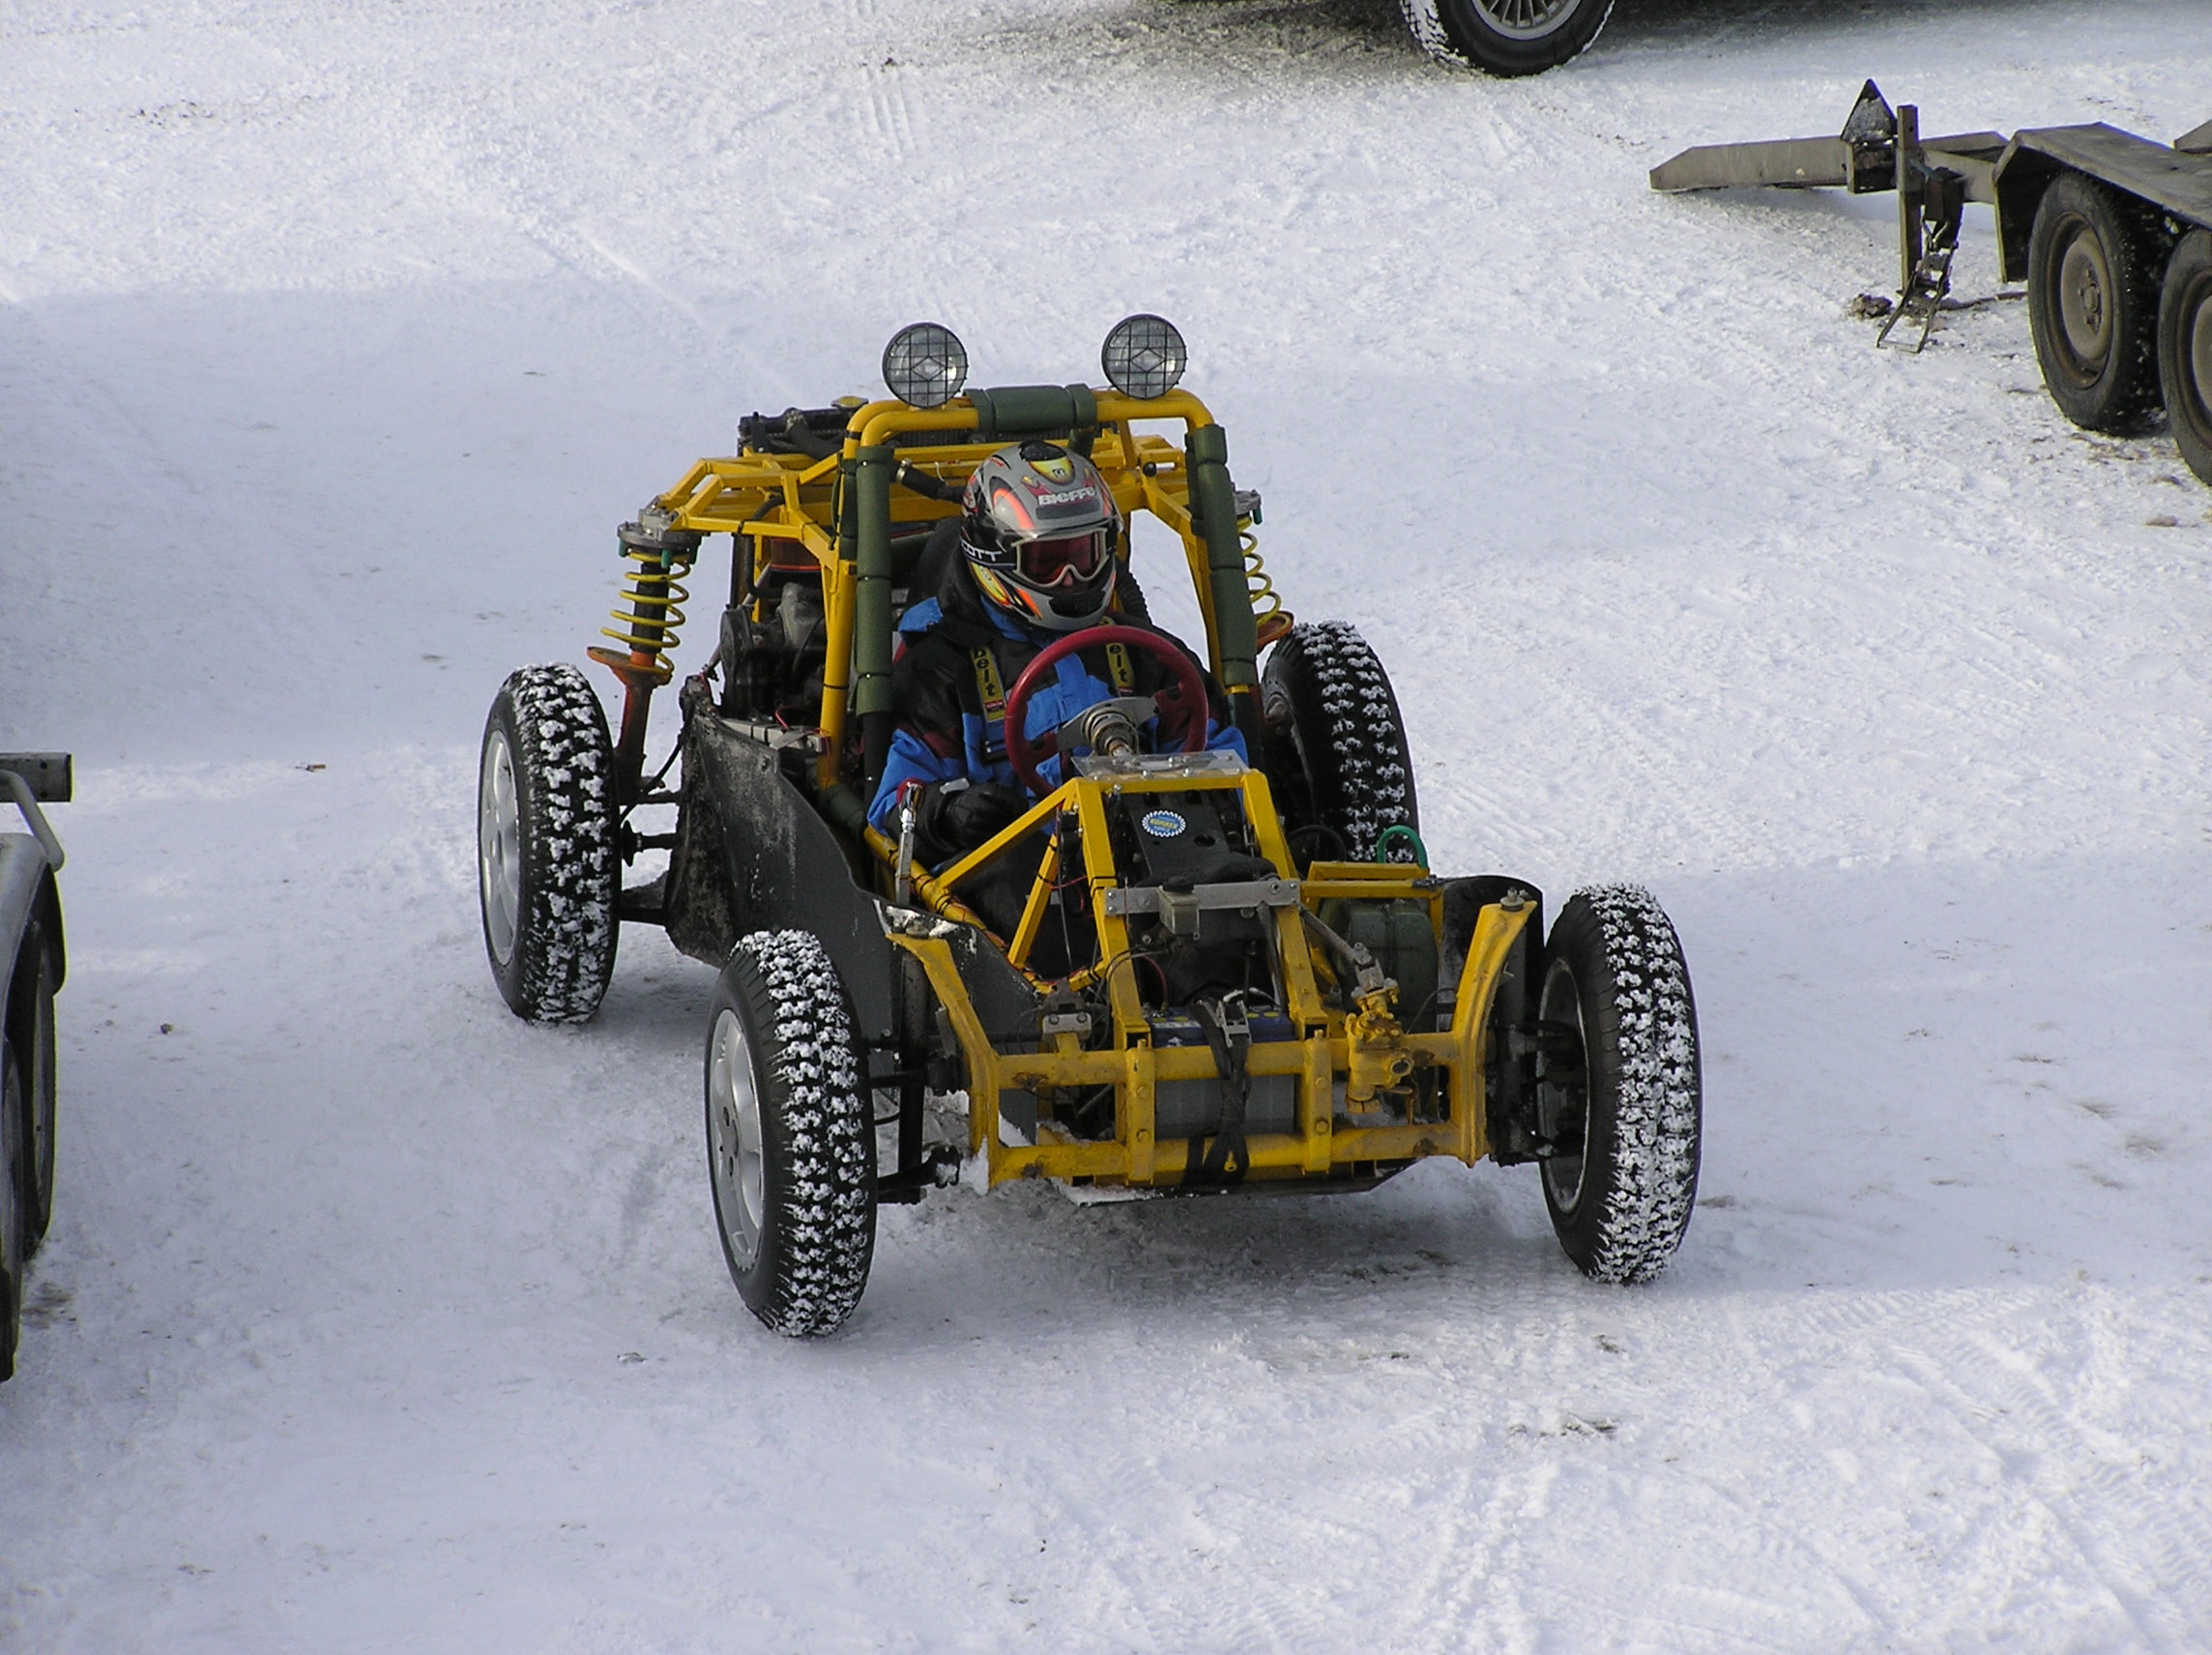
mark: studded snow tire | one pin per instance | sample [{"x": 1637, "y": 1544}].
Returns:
[
  {"x": 546, "y": 867},
  {"x": 790, "y": 1142},
  {"x": 1623, "y": 1113},
  {"x": 1335, "y": 742}
]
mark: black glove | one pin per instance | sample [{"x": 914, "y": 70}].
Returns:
[{"x": 962, "y": 818}]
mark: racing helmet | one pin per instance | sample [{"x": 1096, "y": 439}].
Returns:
[{"x": 1039, "y": 528}]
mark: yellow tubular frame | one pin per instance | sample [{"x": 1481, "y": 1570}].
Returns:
[
  {"x": 770, "y": 498},
  {"x": 781, "y": 501},
  {"x": 1318, "y": 1057}
]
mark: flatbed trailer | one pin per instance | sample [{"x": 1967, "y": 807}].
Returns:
[{"x": 2110, "y": 232}]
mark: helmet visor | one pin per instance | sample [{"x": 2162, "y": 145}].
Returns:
[{"x": 1064, "y": 560}]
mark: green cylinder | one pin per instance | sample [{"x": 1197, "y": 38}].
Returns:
[
  {"x": 845, "y": 808},
  {"x": 1213, "y": 513},
  {"x": 1032, "y": 410},
  {"x": 872, "y": 593}
]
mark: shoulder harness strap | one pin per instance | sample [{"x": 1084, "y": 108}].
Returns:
[{"x": 991, "y": 690}]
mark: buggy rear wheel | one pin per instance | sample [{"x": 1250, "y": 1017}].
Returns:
[
  {"x": 2093, "y": 302},
  {"x": 546, "y": 871},
  {"x": 1620, "y": 1102},
  {"x": 1504, "y": 37},
  {"x": 790, "y": 1141},
  {"x": 2185, "y": 349},
  {"x": 1335, "y": 750}
]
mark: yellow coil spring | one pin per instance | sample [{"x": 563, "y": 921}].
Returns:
[
  {"x": 1266, "y": 600},
  {"x": 652, "y": 612}
]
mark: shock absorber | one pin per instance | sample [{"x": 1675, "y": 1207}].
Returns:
[
  {"x": 1270, "y": 619},
  {"x": 648, "y": 616}
]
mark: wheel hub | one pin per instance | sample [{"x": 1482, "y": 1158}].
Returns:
[
  {"x": 1528, "y": 19},
  {"x": 2084, "y": 300},
  {"x": 1562, "y": 1093},
  {"x": 499, "y": 847},
  {"x": 2201, "y": 349},
  {"x": 734, "y": 1125}
]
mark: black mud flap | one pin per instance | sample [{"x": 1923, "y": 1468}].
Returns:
[{"x": 752, "y": 853}]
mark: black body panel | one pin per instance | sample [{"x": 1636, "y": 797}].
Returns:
[{"x": 752, "y": 853}]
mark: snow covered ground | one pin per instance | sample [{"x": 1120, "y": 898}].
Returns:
[{"x": 334, "y": 339}]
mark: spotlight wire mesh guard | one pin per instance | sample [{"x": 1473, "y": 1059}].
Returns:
[
  {"x": 925, "y": 365},
  {"x": 1144, "y": 355}
]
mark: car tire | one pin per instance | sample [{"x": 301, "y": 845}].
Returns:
[
  {"x": 2185, "y": 349},
  {"x": 791, "y": 1144},
  {"x": 13, "y": 1250},
  {"x": 2093, "y": 260},
  {"x": 31, "y": 1018},
  {"x": 1620, "y": 1097},
  {"x": 1504, "y": 37},
  {"x": 1336, "y": 743},
  {"x": 546, "y": 869}
]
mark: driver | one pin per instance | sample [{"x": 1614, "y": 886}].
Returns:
[{"x": 1039, "y": 536}]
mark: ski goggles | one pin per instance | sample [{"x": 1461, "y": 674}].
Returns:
[{"x": 1063, "y": 560}]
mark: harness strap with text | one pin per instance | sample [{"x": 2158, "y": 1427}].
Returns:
[{"x": 991, "y": 690}]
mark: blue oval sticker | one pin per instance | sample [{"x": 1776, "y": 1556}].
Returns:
[{"x": 1162, "y": 824}]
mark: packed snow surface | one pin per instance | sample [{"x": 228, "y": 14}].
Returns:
[{"x": 336, "y": 339}]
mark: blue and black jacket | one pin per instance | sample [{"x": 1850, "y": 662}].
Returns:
[{"x": 957, "y": 659}]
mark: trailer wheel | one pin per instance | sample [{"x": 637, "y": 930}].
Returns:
[
  {"x": 12, "y": 1251},
  {"x": 2093, "y": 302},
  {"x": 31, "y": 1018},
  {"x": 1620, "y": 1100},
  {"x": 791, "y": 1144},
  {"x": 546, "y": 870},
  {"x": 1504, "y": 37},
  {"x": 1336, "y": 743},
  {"x": 2185, "y": 349}
]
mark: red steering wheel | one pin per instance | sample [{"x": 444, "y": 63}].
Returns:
[{"x": 1189, "y": 692}]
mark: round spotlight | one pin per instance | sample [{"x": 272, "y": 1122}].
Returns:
[
  {"x": 925, "y": 365},
  {"x": 1144, "y": 355}
]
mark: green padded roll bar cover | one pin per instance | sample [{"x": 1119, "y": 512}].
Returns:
[
  {"x": 1213, "y": 513},
  {"x": 872, "y": 590},
  {"x": 1032, "y": 410}
]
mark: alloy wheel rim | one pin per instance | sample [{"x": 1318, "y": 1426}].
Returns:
[
  {"x": 2085, "y": 301},
  {"x": 2200, "y": 387},
  {"x": 1565, "y": 1106},
  {"x": 1528, "y": 19},
  {"x": 499, "y": 846},
  {"x": 734, "y": 1138}
]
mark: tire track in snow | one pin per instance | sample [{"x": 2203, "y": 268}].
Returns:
[
  {"x": 889, "y": 112},
  {"x": 2010, "y": 1405}
]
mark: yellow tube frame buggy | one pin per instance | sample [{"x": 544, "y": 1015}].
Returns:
[{"x": 852, "y": 976}]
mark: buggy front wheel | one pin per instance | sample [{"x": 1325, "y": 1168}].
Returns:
[
  {"x": 1620, "y": 1100},
  {"x": 791, "y": 1141}
]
